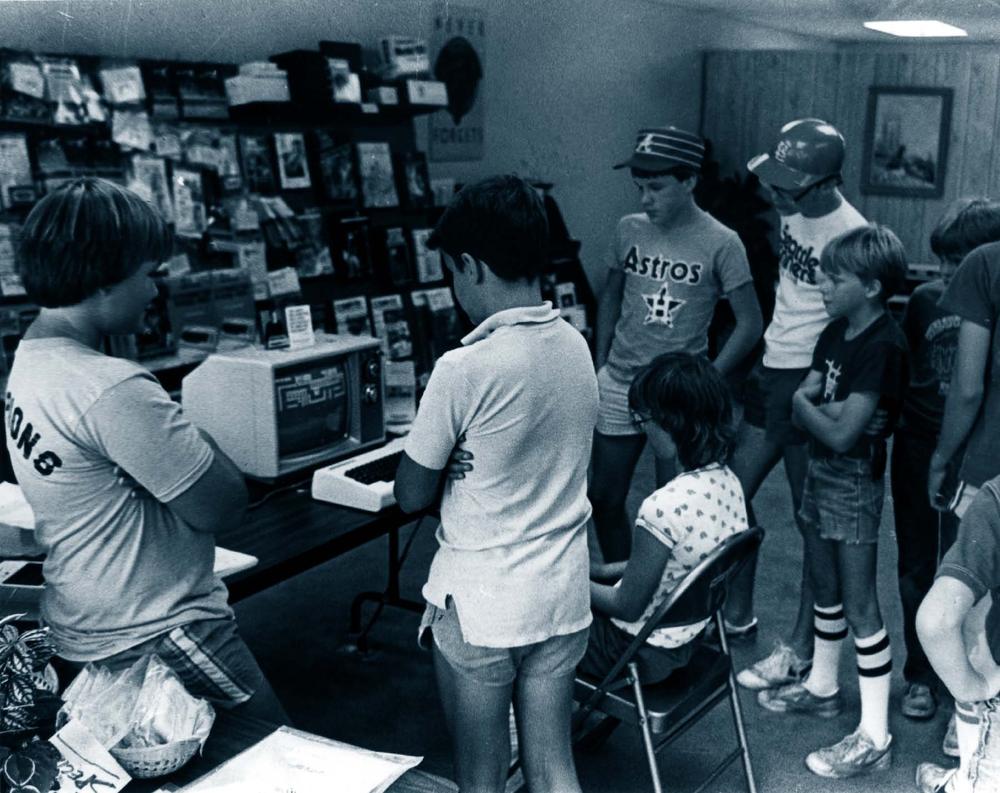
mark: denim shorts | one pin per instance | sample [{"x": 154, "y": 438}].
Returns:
[
  {"x": 209, "y": 657},
  {"x": 500, "y": 666},
  {"x": 767, "y": 403},
  {"x": 841, "y": 500}
]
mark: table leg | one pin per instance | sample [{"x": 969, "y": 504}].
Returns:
[{"x": 390, "y": 597}]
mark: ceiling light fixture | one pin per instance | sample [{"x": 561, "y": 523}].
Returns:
[{"x": 916, "y": 28}]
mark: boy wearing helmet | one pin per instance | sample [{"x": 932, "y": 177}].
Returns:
[{"x": 801, "y": 176}]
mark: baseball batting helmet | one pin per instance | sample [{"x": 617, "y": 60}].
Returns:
[{"x": 807, "y": 151}]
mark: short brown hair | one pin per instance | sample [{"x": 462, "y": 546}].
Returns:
[
  {"x": 872, "y": 253},
  {"x": 966, "y": 224},
  {"x": 500, "y": 220},
  {"x": 690, "y": 399},
  {"x": 86, "y": 235}
]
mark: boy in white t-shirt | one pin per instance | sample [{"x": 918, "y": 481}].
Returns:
[
  {"x": 507, "y": 594},
  {"x": 801, "y": 176}
]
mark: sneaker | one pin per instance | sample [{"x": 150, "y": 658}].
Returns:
[
  {"x": 796, "y": 698},
  {"x": 853, "y": 755},
  {"x": 932, "y": 778},
  {"x": 918, "y": 702},
  {"x": 950, "y": 744},
  {"x": 780, "y": 668}
]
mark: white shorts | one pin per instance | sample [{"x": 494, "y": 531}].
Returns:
[
  {"x": 613, "y": 415},
  {"x": 966, "y": 494}
]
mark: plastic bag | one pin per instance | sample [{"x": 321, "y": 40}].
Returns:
[{"x": 144, "y": 705}]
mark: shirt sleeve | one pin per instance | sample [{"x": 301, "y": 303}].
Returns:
[
  {"x": 137, "y": 426},
  {"x": 732, "y": 266},
  {"x": 612, "y": 255},
  {"x": 970, "y": 291},
  {"x": 441, "y": 417},
  {"x": 974, "y": 559},
  {"x": 655, "y": 516}
]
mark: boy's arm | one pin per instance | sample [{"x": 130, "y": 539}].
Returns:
[
  {"x": 811, "y": 386},
  {"x": 939, "y": 627},
  {"x": 416, "y": 487},
  {"x": 749, "y": 326},
  {"x": 218, "y": 499},
  {"x": 641, "y": 577},
  {"x": 609, "y": 308},
  {"x": 840, "y": 433},
  {"x": 145, "y": 435},
  {"x": 965, "y": 396}
]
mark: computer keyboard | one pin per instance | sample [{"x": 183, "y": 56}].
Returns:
[
  {"x": 381, "y": 470},
  {"x": 363, "y": 481}
]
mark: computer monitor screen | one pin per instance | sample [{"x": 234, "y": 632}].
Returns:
[{"x": 311, "y": 399}]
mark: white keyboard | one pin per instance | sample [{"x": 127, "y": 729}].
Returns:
[{"x": 363, "y": 481}]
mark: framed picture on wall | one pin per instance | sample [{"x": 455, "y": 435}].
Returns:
[{"x": 906, "y": 141}]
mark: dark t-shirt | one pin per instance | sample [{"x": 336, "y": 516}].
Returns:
[
  {"x": 974, "y": 559},
  {"x": 974, "y": 294},
  {"x": 932, "y": 336},
  {"x": 873, "y": 362}
]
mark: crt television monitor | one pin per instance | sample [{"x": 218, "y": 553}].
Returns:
[{"x": 275, "y": 412}]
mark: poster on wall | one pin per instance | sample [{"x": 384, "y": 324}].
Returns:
[{"x": 457, "y": 58}]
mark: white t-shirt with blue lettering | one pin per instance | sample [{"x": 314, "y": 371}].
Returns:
[
  {"x": 120, "y": 566},
  {"x": 673, "y": 279},
  {"x": 799, "y": 315}
]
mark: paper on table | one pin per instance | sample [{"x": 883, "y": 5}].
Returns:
[
  {"x": 228, "y": 561},
  {"x": 14, "y": 508},
  {"x": 289, "y": 759}
]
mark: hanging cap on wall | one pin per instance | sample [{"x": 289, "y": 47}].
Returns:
[
  {"x": 808, "y": 150},
  {"x": 664, "y": 148}
]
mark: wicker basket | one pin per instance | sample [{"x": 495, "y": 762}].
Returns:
[{"x": 144, "y": 762}]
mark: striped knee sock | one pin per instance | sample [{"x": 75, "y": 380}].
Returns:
[
  {"x": 967, "y": 731},
  {"x": 874, "y": 668},
  {"x": 829, "y": 631}
]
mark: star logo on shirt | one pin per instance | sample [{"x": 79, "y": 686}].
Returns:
[
  {"x": 832, "y": 378},
  {"x": 662, "y": 307}
]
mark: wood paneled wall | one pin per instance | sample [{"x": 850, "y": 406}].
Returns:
[{"x": 750, "y": 94}]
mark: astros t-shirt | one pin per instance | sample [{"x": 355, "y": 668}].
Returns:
[{"x": 673, "y": 279}]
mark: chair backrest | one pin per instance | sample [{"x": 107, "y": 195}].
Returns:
[{"x": 701, "y": 592}]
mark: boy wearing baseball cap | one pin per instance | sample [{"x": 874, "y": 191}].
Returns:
[
  {"x": 800, "y": 175},
  {"x": 668, "y": 267}
]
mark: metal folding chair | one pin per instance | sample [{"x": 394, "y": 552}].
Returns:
[{"x": 664, "y": 711}]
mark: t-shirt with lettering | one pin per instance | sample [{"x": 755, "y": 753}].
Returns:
[
  {"x": 799, "y": 315},
  {"x": 873, "y": 362},
  {"x": 691, "y": 515},
  {"x": 974, "y": 559},
  {"x": 974, "y": 295},
  {"x": 932, "y": 336},
  {"x": 120, "y": 566},
  {"x": 673, "y": 280}
]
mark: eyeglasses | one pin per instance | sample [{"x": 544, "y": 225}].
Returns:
[
  {"x": 638, "y": 420},
  {"x": 790, "y": 195}
]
